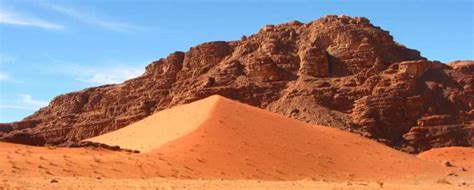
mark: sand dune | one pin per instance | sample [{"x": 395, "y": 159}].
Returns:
[
  {"x": 459, "y": 161},
  {"x": 457, "y": 156},
  {"x": 219, "y": 139},
  {"x": 161, "y": 127}
]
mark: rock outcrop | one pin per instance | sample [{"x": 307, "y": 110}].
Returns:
[{"x": 338, "y": 71}]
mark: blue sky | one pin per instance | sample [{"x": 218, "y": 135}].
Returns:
[{"x": 48, "y": 48}]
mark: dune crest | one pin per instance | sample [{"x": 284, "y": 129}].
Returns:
[
  {"x": 161, "y": 127},
  {"x": 221, "y": 138}
]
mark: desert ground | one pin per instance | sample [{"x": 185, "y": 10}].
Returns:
[{"x": 217, "y": 143}]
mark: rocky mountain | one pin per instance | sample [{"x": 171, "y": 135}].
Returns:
[{"x": 337, "y": 71}]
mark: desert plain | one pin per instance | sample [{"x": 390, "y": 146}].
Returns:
[{"x": 218, "y": 143}]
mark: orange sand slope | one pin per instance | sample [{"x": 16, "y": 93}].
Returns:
[
  {"x": 161, "y": 127},
  {"x": 220, "y": 138},
  {"x": 461, "y": 160},
  {"x": 217, "y": 138},
  {"x": 457, "y": 156}
]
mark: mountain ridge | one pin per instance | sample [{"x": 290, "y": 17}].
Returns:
[{"x": 337, "y": 71}]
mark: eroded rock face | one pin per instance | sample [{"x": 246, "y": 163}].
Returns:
[{"x": 337, "y": 71}]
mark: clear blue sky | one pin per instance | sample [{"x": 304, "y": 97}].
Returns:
[{"x": 48, "y": 48}]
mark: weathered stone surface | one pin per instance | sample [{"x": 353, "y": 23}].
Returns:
[
  {"x": 418, "y": 68},
  {"x": 337, "y": 71},
  {"x": 314, "y": 62}
]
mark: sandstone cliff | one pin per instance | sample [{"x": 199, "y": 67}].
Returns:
[{"x": 338, "y": 71}]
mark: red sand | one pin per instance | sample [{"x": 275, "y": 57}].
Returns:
[
  {"x": 458, "y": 156},
  {"x": 216, "y": 138},
  {"x": 220, "y": 138},
  {"x": 461, "y": 159}
]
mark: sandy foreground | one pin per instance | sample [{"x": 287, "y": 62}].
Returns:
[
  {"x": 216, "y": 143},
  {"x": 51, "y": 169},
  {"x": 165, "y": 184}
]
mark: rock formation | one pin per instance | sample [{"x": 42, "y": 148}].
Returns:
[{"x": 337, "y": 71}]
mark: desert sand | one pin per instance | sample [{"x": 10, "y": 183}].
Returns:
[
  {"x": 216, "y": 142},
  {"x": 457, "y": 156},
  {"x": 459, "y": 160}
]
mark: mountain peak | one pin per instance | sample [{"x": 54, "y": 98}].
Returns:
[{"x": 336, "y": 71}]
